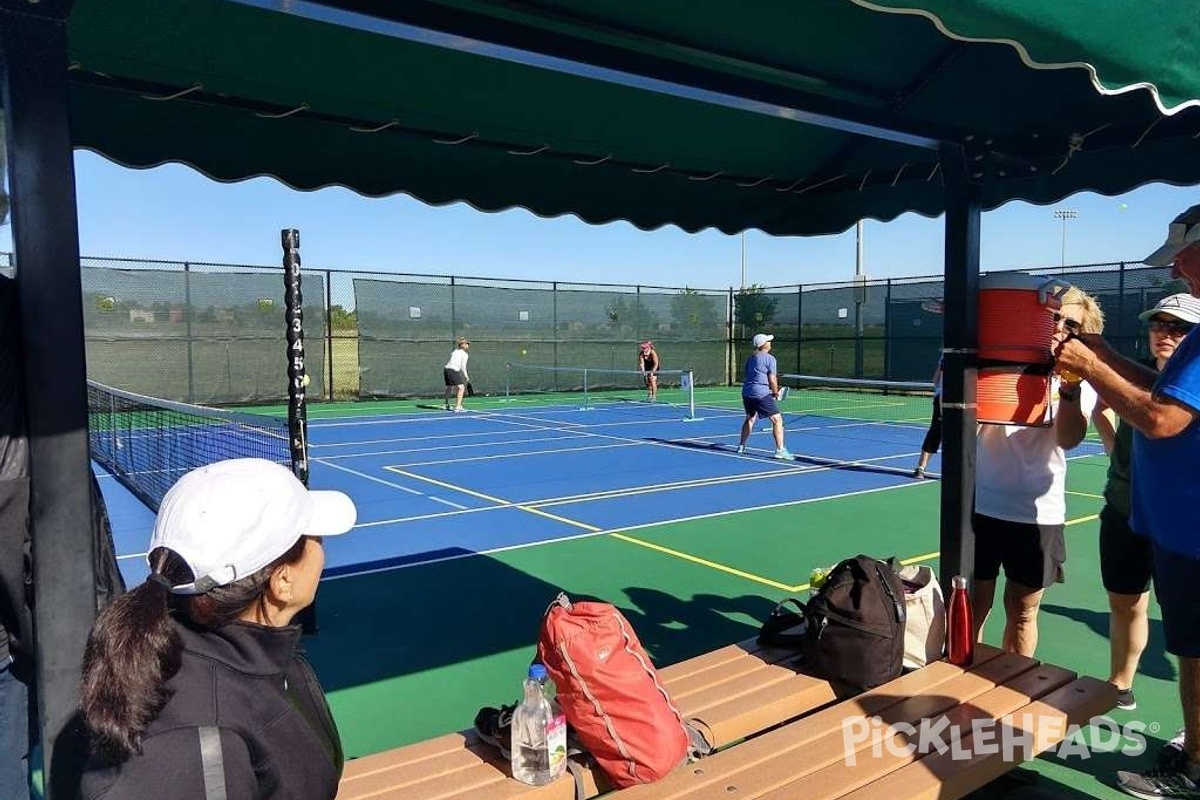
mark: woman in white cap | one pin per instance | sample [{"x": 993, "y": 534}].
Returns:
[
  {"x": 760, "y": 389},
  {"x": 1126, "y": 557},
  {"x": 193, "y": 685}
]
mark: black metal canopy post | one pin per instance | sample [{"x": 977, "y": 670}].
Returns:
[
  {"x": 959, "y": 365},
  {"x": 46, "y": 242}
]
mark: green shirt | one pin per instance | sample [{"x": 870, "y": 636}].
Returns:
[{"x": 1116, "y": 490}]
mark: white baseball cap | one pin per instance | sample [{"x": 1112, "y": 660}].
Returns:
[
  {"x": 230, "y": 519},
  {"x": 1181, "y": 306},
  {"x": 762, "y": 338},
  {"x": 1183, "y": 232}
]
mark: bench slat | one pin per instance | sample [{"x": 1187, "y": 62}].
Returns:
[
  {"x": 839, "y": 778},
  {"x": 812, "y": 742},
  {"x": 939, "y": 776}
]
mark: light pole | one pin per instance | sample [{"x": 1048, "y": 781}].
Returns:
[
  {"x": 1064, "y": 214},
  {"x": 743, "y": 286}
]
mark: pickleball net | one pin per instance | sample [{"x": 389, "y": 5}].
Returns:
[
  {"x": 856, "y": 400},
  {"x": 590, "y": 388},
  {"x": 148, "y": 443},
  {"x": 872, "y": 409}
]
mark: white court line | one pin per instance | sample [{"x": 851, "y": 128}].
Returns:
[
  {"x": 469, "y": 459},
  {"x": 389, "y": 483},
  {"x": 640, "y": 526},
  {"x": 627, "y": 491},
  {"x": 467, "y": 445},
  {"x": 489, "y": 435}
]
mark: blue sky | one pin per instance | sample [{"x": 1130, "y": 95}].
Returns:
[{"x": 174, "y": 213}]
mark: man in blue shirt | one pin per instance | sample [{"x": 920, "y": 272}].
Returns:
[
  {"x": 1164, "y": 411},
  {"x": 760, "y": 389}
]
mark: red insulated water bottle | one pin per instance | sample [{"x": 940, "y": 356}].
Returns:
[{"x": 960, "y": 630}]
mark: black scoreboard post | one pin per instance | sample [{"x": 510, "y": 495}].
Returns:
[
  {"x": 293, "y": 315},
  {"x": 293, "y": 301}
]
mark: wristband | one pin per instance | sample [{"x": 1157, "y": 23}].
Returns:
[{"x": 1070, "y": 395}]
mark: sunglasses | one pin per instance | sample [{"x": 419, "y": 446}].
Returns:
[
  {"x": 1072, "y": 325},
  {"x": 1171, "y": 326}
]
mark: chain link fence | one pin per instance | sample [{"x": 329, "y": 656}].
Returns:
[{"x": 214, "y": 333}]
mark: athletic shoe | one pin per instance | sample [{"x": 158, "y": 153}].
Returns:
[
  {"x": 1125, "y": 699},
  {"x": 783, "y": 455},
  {"x": 1177, "y": 782},
  {"x": 1172, "y": 752},
  {"x": 494, "y": 726},
  {"x": 459, "y": 409},
  {"x": 741, "y": 448},
  {"x": 919, "y": 473}
]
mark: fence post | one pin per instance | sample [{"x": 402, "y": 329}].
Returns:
[
  {"x": 187, "y": 304},
  {"x": 729, "y": 340},
  {"x": 554, "y": 316},
  {"x": 799, "y": 325},
  {"x": 329, "y": 330},
  {"x": 453, "y": 316},
  {"x": 887, "y": 332}
]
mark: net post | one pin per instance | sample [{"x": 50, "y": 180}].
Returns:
[
  {"x": 293, "y": 315},
  {"x": 586, "y": 401},
  {"x": 293, "y": 301},
  {"x": 691, "y": 381}
]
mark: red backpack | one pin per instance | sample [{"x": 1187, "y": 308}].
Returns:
[{"x": 610, "y": 693}]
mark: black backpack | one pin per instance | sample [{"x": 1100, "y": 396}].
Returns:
[{"x": 852, "y": 631}]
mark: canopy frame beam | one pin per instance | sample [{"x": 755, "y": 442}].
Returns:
[
  {"x": 482, "y": 35},
  {"x": 45, "y": 234}
]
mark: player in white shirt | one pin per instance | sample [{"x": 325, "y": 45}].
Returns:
[
  {"x": 1020, "y": 496},
  {"x": 455, "y": 373}
]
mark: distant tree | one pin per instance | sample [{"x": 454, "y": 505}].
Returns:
[
  {"x": 630, "y": 317},
  {"x": 341, "y": 319},
  {"x": 754, "y": 308},
  {"x": 694, "y": 311}
]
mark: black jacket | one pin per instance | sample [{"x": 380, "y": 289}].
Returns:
[{"x": 278, "y": 739}]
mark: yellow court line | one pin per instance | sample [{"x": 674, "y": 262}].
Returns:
[
  {"x": 626, "y": 537},
  {"x": 1088, "y": 518},
  {"x": 1086, "y": 494},
  {"x": 446, "y": 485},
  {"x": 492, "y": 499},
  {"x": 704, "y": 562}
]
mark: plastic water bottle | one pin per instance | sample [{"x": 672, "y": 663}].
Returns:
[
  {"x": 960, "y": 628},
  {"x": 539, "y": 734}
]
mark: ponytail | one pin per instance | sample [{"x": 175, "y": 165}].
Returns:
[
  {"x": 132, "y": 651},
  {"x": 134, "y": 648}
]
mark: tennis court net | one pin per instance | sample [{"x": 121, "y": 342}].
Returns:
[
  {"x": 857, "y": 399},
  {"x": 148, "y": 443},
  {"x": 589, "y": 388}
]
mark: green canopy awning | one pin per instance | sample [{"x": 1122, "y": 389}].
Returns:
[{"x": 702, "y": 114}]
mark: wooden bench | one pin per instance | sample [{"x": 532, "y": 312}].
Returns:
[{"x": 743, "y": 692}]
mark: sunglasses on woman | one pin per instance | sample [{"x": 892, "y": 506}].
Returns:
[
  {"x": 1072, "y": 325},
  {"x": 1171, "y": 326}
]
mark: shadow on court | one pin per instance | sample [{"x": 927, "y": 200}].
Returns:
[
  {"x": 1154, "y": 662},
  {"x": 405, "y": 621}
]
